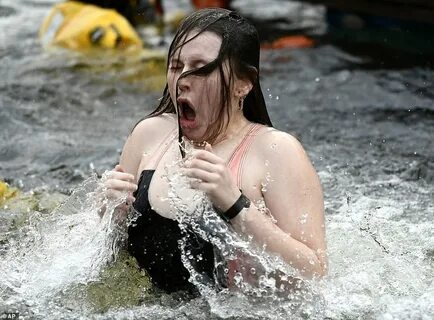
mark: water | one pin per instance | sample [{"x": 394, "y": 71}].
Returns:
[{"x": 366, "y": 124}]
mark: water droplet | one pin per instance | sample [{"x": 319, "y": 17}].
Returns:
[
  {"x": 252, "y": 270},
  {"x": 303, "y": 218},
  {"x": 238, "y": 279}
]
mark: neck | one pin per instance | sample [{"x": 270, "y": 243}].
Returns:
[{"x": 235, "y": 127}]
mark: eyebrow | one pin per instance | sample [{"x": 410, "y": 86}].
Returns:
[{"x": 193, "y": 60}]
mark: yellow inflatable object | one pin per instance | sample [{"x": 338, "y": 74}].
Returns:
[
  {"x": 6, "y": 192},
  {"x": 79, "y": 26}
]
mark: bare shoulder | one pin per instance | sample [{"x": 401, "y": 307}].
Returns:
[
  {"x": 284, "y": 157},
  {"x": 154, "y": 126},
  {"x": 278, "y": 146},
  {"x": 146, "y": 136}
]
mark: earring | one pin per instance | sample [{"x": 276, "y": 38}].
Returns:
[{"x": 240, "y": 103}]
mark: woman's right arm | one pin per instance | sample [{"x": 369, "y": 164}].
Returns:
[{"x": 124, "y": 177}]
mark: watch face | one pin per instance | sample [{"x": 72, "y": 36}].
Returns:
[{"x": 242, "y": 203}]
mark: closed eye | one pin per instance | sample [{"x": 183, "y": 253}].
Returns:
[
  {"x": 175, "y": 64},
  {"x": 199, "y": 63}
]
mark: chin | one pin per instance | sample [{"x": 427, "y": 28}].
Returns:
[{"x": 193, "y": 135}]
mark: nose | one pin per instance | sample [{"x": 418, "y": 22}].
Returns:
[{"x": 183, "y": 84}]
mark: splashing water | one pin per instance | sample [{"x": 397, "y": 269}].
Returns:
[
  {"x": 67, "y": 247},
  {"x": 375, "y": 259},
  {"x": 381, "y": 280},
  {"x": 379, "y": 264},
  {"x": 260, "y": 282}
]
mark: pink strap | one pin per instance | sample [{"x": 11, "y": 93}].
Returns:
[
  {"x": 236, "y": 162},
  {"x": 166, "y": 144}
]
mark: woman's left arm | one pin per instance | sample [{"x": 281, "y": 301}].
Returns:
[{"x": 294, "y": 197}]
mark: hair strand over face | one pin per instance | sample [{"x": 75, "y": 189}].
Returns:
[{"x": 240, "y": 47}]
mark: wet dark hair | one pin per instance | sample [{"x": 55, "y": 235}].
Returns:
[{"x": 240, "y": 47}]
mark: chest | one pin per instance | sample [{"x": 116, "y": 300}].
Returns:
[{"x": 169, "y": 190}]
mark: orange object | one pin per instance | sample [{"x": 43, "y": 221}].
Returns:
[
  {"x": 289, "y": 42},
  {"x": 200, "y": 4}
]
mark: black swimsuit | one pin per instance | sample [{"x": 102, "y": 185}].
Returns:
[{"x": 154, "y": 241}]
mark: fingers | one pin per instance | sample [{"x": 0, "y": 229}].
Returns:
[
  {"x": 208, "y": 147},
  {"x": 121, "y": 185},
  {"x": 206, "y": 166},
  {"x": 202, "y": 175},
  {"x": 202, "y": 186},
  {"x": 118, "y": 175},
  {"x": 207, "y": 155},
  {"x": 116, "y": 194},
  {"x": 119, "y": 168},
  {"x": 118, "y": 182},
  {"x": 200, "y": 164}
]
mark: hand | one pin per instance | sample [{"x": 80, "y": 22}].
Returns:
[
  {"x": 212, "y": 176},
  {"x": 118, "y": 183}
]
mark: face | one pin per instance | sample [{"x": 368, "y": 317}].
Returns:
[{"x": 198, "y": 99}]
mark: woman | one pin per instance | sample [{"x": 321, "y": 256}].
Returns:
[{"x": 213, "y": 99}]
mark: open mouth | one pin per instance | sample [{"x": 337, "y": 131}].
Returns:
[{"x": 187, "y": 112}]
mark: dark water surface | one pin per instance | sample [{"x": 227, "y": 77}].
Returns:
[{"x": 368, "y": 127}]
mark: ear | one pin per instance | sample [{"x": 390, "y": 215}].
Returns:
[{"x": 242, "y": 87}]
